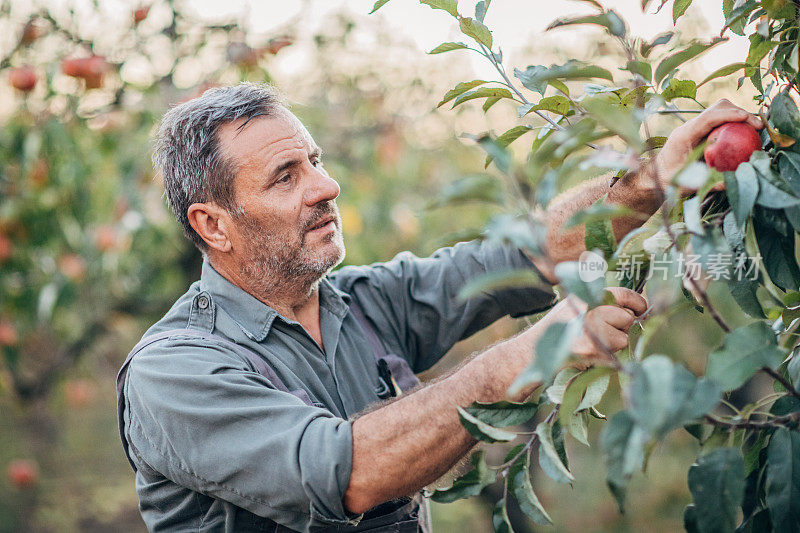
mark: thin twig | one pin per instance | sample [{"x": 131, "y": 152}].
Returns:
[
  {"x": 774, "y": 374},
  {"x": 780, "y": 421}
]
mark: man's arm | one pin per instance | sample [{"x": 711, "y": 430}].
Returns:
[
  {"x": 411, "y": 442},
  {"x": 640, "y": 191}
]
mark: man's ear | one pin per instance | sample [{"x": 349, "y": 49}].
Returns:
[{"x": 212, "y": 223}]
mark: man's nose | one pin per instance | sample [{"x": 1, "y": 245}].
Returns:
[{"x": 323, "y": 189}]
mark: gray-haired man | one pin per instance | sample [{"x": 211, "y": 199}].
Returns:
[{"x": 255, "y": 404}]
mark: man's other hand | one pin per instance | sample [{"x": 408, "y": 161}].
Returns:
[{"x": 688, "y": 136}]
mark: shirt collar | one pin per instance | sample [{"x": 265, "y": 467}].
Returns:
[{"x": 254, "y": 316}]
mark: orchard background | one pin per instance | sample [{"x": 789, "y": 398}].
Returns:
[{"x": 89, "y": 255}]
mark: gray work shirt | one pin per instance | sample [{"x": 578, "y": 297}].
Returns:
[{"x": 217, "y": 448}]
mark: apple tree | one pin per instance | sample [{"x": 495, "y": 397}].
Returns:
[
  {"x": 736, "y": 231},
  {"x": 86, "y": 246}
]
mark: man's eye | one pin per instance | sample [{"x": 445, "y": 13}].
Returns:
[
  {"x": 317, "y": 162},
  {"x": 284, "y": 179}
]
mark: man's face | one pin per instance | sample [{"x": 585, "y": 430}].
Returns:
[{"x": 290, "y": 227}]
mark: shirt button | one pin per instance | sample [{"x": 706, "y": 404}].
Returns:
[{"x": 202, "y": 302}]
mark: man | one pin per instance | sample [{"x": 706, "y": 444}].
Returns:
[{"x": 222, "y": 441}]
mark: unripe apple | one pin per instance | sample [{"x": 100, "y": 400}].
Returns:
[
  {"x": 23, "y": 473},
  {"x": 23, "y": 78},
  {"x": 730, "y": 145}
]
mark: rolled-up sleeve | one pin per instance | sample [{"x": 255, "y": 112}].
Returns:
[
  {"x": 211, "y": 424},
  {"x": 413, "y": 302}
]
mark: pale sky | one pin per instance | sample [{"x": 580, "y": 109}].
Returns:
[{"x": 515, "y": 23}]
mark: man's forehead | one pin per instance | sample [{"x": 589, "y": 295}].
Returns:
[{"x": 246, "y": 138}]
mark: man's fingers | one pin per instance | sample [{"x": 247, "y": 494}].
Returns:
[
  {"x": 621, "y": 318},
  {"x": 724, "y": 111},
  {"x": 629, "y": 298}
]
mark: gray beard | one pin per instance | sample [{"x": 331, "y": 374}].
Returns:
[{"x": 275, "y": 271}]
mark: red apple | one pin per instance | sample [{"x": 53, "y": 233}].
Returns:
[
  {"x": 106, "y": 238},
  {"x": 91, "y": 69},
  {"x": 730, "y": 145},
  {"x": 72, "y": 266},
  {"x": 275, "y": 44},
  {"x": 30, "y": 32},
  {"x": 140, "y": 14},
  {"x": 23, "y": 473},
  {"x": 79, "y": 393},
  {"x": 6, "y": 248},
  {"x": 23, "y": 78},
  {"x": 8, "y": 333}
]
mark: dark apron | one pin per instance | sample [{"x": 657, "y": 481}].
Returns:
[{"x": 404, "y": 515}]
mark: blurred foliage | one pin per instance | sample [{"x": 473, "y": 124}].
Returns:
[{"x": 89, "y": 253}]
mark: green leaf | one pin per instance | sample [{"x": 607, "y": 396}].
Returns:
[
  {"x": 789, "y": 169},
  {"x": 555, "y": 392},
  {"x": 679, "y": 8},
  {"x": 759, "y": 48},
  {"x": 609, "y": 20},
  {"x": 569, "y": 275},
  {"x": 774, "y": 192},
  {"x": 483, "y": 92},
  {"x": 479, "y": 187},
  {"x": 594, "y": 392},
  {"x": 552, "y": 350},
  {"x": 624, "y": 122},
  {"x": 496, "y": 151},
  {"x": 784, "y": 115},
  {"x": 500, "y": 520},
  {"x": 745, "y": 350},
  {"x": 599, "y": 233},
  {"x": 549, "y": 459},
  {"x": 721, "y": 72},
  {"x": 475, "y": 29},
  {"x": 568, "y": 414},
  {"x": 716, "y": 481},
  {"x": 490, "y": 282},
  {"x": 642, "y": 68},
  {"x": 777, "y": 248},
  {"x": 665, "y": 395},
  {"x": 516, "y": 231},
  {"x": 535, "y": 77},
  {"x": 503, "y": 414},
  {"x": 736, "y": 17},
  {"x": 673, "y": 61},
  {"x": 451, "y": 6},
  {"x": 459, "y": 89},
  {"x": 623, "y": 443},
  {"x": 448, "y": 47},
  {"x": 470, "y": 484},
  {"x": 379, "y": 4},
  {"x": 519, "y": 483},
  {"x": 555, "y": 104},
  {"x": 679, "y": 89},
  {"x": 742, "y": 190},
  {"x": 481, "y": 8},
  {"x": 507, "y": 138},
  {"x": 487, "y": 104},
  {"x": 783, "y": 480},
  {"x": 483, "y": 431},
  {"x": 659, "y": 40},
  {"x": 598, "y": 212}
]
